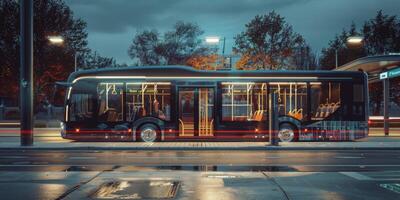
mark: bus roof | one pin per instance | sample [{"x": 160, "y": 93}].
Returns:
[{"x": 186, "y": 71}]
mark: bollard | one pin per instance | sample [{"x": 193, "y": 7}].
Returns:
[{"x": 273, "y": 119}]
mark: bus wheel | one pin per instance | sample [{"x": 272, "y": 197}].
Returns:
[
  {"x": 287, "y": 133},
  {"x": 148, "y": 133}
]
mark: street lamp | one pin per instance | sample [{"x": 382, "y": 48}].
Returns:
[
  {"x": 353, "y": 40},
  {"x": 212, "y": 40},
  {"x": 215, "y": 40},
  {"x": 59, "y": 40},
  {"x": 56, "y": 40}
]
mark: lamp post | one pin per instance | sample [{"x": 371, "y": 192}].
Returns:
[
  {"x": 215, "y": 40},
  {"x": 26, "y": 72},
  {"x": 59, "y": 40},
  {"x": 353, "y": 40}
]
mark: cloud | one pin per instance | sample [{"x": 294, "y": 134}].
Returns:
[
  {"x": 119, "y": 15},
  {"x": 113, "y": 23}
]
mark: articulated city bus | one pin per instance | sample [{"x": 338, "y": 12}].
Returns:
[{"x": 177, "y": 103}]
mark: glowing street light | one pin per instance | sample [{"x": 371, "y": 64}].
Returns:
[
  {"x": 215, "y": 40},
  {"x": 355, "y": 40},
  {"x": 56, "y": 39},
  {"x": 212, "y": 40}
]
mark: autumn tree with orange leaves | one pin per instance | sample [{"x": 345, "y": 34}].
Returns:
[
  {"x": 51, "y": 63},
  {"x": 204, "y": 62},
  {"x": 269, "y": 42}
]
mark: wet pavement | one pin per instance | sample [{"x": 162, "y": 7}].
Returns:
[
  {"x": 63, "y": 169},
  {"x": 198, "y": 185},
  {"x": 345, "y": 174}
]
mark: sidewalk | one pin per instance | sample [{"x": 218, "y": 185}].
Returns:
[
  {"x": 50, "y": 139},
  {"x": 379, "y": 143}
]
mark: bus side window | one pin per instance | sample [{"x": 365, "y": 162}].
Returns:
[
  {"x": 110, "y": 101},
  {"x": 325, "y": 99}
]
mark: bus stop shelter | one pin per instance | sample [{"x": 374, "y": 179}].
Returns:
[{"x": 379, "y": 68}]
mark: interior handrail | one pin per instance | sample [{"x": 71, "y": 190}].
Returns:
[{"x": 183, "y": 126}]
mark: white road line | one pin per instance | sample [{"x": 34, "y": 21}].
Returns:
[
  {"x": 81, "y": 158},
  {"x": 13, "y": 157},
  {"x": 162, "y": 157},
  {"x": 272, "y": 157},
  {"x": 349, "y": 157},
  {"x": 357, "y": 176}
]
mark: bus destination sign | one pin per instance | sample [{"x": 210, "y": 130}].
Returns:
[{"x": 390, "y": 74}]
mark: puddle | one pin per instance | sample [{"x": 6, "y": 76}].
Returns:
[{"x": 139, "y": 189}]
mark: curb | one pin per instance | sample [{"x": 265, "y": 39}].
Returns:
[{"x": 270, "y": 148}]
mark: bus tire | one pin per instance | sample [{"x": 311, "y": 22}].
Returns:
[
  {"x": 148, "y": 133},
  {"x": 287, "y": 133}
]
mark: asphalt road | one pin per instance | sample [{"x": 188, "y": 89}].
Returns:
[
  {"x": 314, "y": 160},
  {"x": 233, "y": 175}
]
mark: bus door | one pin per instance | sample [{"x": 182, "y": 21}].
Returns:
[{"x": 196, "y": 111}]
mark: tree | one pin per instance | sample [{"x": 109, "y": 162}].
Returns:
[
  {"x": 94, "y": 61},
  {"x": 345, "y": 52},
  {"x": 381, "y": 36},
  {"x": 303, "y": 58},
  {"x": 181, "y": 43},
  {"x": 203, "y": 62},
  {"x": 51, "y": 63},
  {"x": 176, "y": 47},
  {"x": 145, "y": 47},
  {"x": 268, "y": 42}
]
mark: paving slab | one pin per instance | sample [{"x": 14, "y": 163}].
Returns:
[
  {"x": 331, "y": 185},
  {"x": 195, "y": 185},
  {"x": 39, "y": 185}
]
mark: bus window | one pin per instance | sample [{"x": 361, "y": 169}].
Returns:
[
  {"x": 292, "y": 98},
  {"x": 81, "y": 107},
  {"x": 148, "y": 99},
  {"x": 110, "y": 96},
  {"x": 325, "y": 99},
  {"x": 243, "y": 101}
]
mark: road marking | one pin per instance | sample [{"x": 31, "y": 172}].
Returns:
[
  {"x": 163, "y": 157},
  {"x": 13, "y": 157},
  {"x": 20, "y": 163},
  {"x": 272, "y": 157},
  {"x": 357, "y": 176},
  {"x": 81, "y": 158},
  {"x": 349, "y": 157}
]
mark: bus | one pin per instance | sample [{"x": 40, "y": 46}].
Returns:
[{"x": 178, "y": 103}]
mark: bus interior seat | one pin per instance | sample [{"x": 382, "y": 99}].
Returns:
[
  {"x": 112, "y": 115},
  {"x": 299, "y": 114},
  {"x": 254, "y": 117},
  {"x": 259, "y": 115},
  {"x": 141, "y": 112}
]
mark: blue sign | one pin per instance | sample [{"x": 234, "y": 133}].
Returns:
[{"x": 390, "y": 74}]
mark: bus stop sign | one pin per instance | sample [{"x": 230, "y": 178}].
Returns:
[{"x": 390, "y": 74}]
